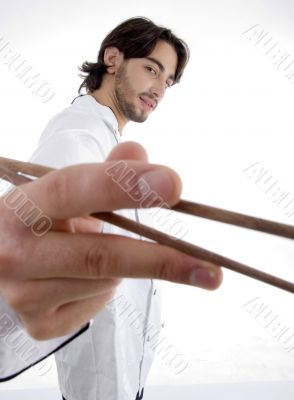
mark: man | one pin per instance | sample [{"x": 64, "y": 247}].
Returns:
[{"x": 136, "y": 63}]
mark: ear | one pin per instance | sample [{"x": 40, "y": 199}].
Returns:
[{"x": 113, "y": 58}]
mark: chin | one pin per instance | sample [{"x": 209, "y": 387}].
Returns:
[
  {"x": 138, "y": 117},
  {"x": 139, "y": 120}
]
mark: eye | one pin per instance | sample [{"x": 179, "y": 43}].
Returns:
[
  {"x": 150, "y": 69},
  {"x": 168, "y": 85}
]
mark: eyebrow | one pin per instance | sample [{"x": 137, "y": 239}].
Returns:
[{"x": 161, "y": 67}]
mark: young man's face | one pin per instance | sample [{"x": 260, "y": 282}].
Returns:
[{"x": 140, "y": 83}]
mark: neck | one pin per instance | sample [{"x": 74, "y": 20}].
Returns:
[{"x": 107, "y": 99}]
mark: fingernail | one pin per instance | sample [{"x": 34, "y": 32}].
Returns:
[
  {"x": 159, "y": 181},
  {"x": 202, "y": 277}
]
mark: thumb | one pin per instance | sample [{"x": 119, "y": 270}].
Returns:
[{"x": 128, "y": 151}]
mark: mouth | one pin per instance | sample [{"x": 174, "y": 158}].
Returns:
[{"x": 147, "y": 103}]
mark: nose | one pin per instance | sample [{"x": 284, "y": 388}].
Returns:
[{"x": 158, "y": 89}]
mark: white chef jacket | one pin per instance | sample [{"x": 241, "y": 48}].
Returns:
[{"x": 111, "y": 359}]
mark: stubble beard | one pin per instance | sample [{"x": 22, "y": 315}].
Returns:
[{"x": 122, "y": 89}]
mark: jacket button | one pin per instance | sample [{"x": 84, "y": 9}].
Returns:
[
  {"x": 162, "y": 325},
  {"x": 154, "y": 293}
]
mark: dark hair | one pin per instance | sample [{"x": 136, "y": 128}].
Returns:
[{"x": 135, "y": 38}]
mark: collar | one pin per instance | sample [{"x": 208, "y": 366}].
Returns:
[{"x": 98, "y": 108}]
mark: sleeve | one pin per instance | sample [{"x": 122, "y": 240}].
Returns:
[
  {"x": 69, "y": 147},
  {"x": 19, "y": 351}
]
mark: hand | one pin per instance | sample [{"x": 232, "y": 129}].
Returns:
[{"x": 58, "y": 281}]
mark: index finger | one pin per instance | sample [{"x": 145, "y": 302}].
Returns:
[{"x": 86, "y": 188}]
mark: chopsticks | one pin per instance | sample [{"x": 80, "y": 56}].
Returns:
[{"x": 12, "y": 169}]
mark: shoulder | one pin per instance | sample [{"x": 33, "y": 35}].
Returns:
[
  {"x": 76, "y": 134},
  {"x": 76, "y": 118},
  {"x": 83, "y": 116}
]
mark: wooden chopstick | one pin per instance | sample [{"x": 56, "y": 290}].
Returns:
[
  {"x": 193, "y": 250},
  {"x": 35, "y": 170},
  {"x": 183, "y": 206},
  {"x": 11, "y": 167},
  {"x": 234, "y": 218}
]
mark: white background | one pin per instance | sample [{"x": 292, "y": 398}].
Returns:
[{"x": 232, "y": 108}]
